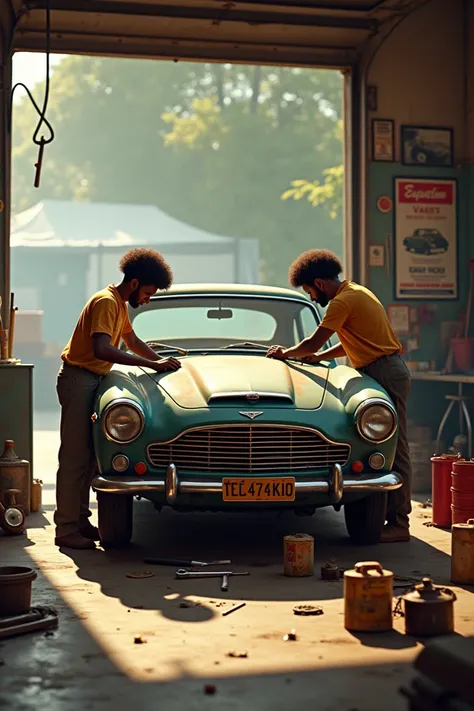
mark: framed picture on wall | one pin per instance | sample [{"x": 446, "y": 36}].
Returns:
[
  {"x": 383, "y": 140},
  {"x": 399, "y": 317},
  {"x": 427, "y": 145},
  {"x": 425, "y": 245}
]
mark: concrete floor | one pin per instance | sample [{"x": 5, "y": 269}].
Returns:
[{"x": 91, "y": 661}]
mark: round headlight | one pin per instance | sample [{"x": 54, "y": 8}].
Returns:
[
  {"x": 123, "y": 422},
  {"x": 376, "y": 421}
]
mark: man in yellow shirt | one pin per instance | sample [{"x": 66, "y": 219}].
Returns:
[
  {"x": 367, "y": 339},
  {"x": 90, "y": 354}
]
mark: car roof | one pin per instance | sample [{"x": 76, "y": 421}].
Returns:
[{"x": 231, "y": 290}]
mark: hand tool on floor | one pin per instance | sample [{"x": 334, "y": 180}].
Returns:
[
  {"x": 188, "y": 574},
  {"x": 186, "y": 563},
  {"x": 224, "y": 574}
]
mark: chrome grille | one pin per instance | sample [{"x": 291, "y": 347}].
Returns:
[{"x": 249, "y": 449}]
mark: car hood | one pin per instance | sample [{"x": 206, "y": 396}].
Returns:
[{"x": 237, "y": 380}]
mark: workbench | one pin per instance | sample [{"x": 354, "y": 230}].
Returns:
[{"x": 459, "y": 399}]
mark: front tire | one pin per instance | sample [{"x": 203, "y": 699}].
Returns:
[
  {"x": 115, "y": 513},
  {"x": 365, "y": 518}
]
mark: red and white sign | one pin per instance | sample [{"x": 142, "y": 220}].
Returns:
[
  {"x": 425, "y": 239},
  {"x": 384, "y": 204}
]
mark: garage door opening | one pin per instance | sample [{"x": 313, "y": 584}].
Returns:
[{"x": 229, "y": 170}]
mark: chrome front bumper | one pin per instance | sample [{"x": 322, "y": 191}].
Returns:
[{"x": 334, "y": 486}]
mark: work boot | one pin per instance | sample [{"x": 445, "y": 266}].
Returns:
[
  {"x": 395, "y": 534},
  {"x": 74, "y": 540},
  {"x": 89, "y": 531}
]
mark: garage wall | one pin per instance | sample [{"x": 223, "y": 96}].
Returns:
[{"x": 420, "y": 73}]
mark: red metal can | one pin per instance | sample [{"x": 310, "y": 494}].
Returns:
[
  {"x": 462, "y": 491},
  {"x": 441, "y": 468}
]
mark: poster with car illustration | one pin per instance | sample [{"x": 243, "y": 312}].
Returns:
[{"x": 425, "y": 242}]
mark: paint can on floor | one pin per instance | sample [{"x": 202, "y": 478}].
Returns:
[
  {"x": 368, "y": 594},
  {"x": 298, "y": 555},
  {"x": 462, "y": 553}
]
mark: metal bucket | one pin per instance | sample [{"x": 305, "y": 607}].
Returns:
[{"x": 15, "y": 590}]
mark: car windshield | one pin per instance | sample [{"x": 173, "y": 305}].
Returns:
[{"x": 216, "y": 322}]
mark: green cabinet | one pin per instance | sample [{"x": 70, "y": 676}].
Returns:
[{"x": 16, "y": 409}]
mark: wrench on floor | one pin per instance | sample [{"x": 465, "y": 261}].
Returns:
[{"x": 224, "y": 574}]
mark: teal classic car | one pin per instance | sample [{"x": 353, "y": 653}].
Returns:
[{"x": 233, "y": 430}]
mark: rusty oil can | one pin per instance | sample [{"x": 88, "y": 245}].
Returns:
[
  {"x": 429, "y": 610},
  {"x": 462, "y": 553},
  {"x": 298, "y": 555},
  {"x": 368, "y": 595},
  {"x": 15, "y": 474}
]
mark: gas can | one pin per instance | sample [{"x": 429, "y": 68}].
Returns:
[
  {"x": 15, "y": 474},
  {"x": 429, "y": 610},
  {"x": 462, "y": 491},
  {"x": 298, "y": 555},
  {"x": 462, "y": 553},
  {"x": 368, "y": 594},
  {"x": 441, "y": 468},
  {"x": 36, "y": 491}
]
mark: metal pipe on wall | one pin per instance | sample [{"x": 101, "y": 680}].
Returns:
[{"x": 6, "y": 28}]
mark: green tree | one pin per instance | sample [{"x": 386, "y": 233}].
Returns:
[{"x": 211, "y": 145}]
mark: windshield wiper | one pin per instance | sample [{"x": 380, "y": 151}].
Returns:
[
  {"x": 247, "y": 344},
  {"x": 167, "y": 346}
]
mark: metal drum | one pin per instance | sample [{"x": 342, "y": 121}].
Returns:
[{"x": 462, "y": 491}]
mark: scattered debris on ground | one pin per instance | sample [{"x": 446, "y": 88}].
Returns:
[
  {"x": 290, "y": 637},
  {"x": 238, "y": 655},
  {"x": 330, "y": 571},
  {"x": 185, "y": 604},
  {"x": 307, "y": 610},
  {"x": 140, "y": 575}
]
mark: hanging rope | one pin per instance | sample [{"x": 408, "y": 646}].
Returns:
[{"x": 42, "y": 141}]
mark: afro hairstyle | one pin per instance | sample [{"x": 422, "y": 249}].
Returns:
[
  {"x": 148, "y": 267},
  {"x": 314, "y": 264}
]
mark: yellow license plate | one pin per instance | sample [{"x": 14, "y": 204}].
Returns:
[{"x": 268, "y": 489}]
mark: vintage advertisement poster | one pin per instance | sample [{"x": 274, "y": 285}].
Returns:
[{"x": 425, "y": 239}]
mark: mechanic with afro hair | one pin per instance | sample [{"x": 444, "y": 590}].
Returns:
[
  {"x": 367, "y": 339},
  {"x": 90, "y": 354}
]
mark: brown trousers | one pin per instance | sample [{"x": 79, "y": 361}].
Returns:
[
  {"x": 76, "y": 388},
  {"x": 393, "y": 375}
]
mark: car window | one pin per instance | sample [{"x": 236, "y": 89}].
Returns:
[
  {"x": 193, "y": 322},
  {"x": 216, "y": 321}
]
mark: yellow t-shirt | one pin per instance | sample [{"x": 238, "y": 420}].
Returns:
[
  {"x": 360, "y": 321},
  {"x": 105, "y": 312}
]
